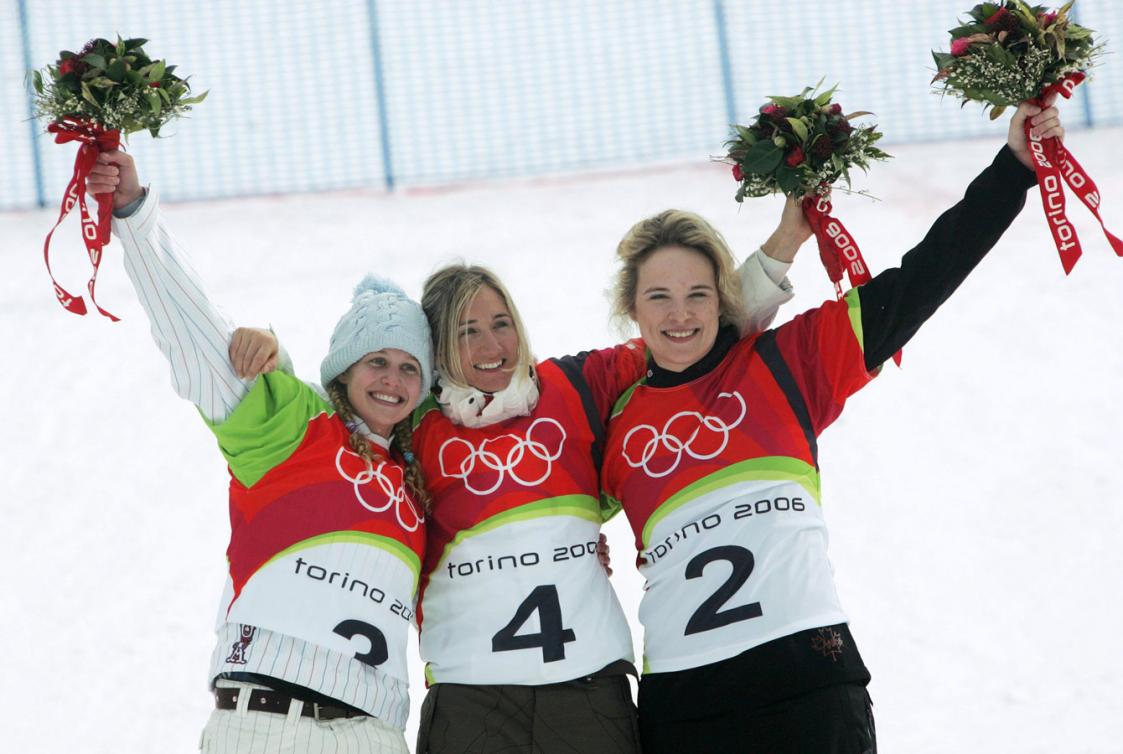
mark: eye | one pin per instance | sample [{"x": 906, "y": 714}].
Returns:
[
  {"x": 502, "y": 323},
  {"x": 468, "y": 332},
  {"x": 410, "y": 368},
  {"x": 377, "y": 361}
]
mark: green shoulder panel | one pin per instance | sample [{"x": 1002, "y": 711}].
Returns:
[
  {"x": 268, "y": 425},
  {"x": 626, "y": 396},
  {"x": 427, "y": 405},
  {"x": 854, "y": 309}
]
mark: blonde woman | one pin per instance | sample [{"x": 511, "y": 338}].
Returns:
[
  {"x": 327, "y": 515},
  {"x": 713, "y": 456}
]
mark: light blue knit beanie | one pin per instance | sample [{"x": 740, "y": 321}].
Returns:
[{"x": 381, "y": 316}]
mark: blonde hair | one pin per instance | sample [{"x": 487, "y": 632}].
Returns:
[
  {"x": 446, "y": 297},
  {"x": 676, "y": 227},
  {"x": 402, "y": 434}
]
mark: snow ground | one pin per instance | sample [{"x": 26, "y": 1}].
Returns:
[{"x": 973, "y": 495}]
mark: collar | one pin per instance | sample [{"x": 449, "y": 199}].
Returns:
[
  {"x": 657, "y": 376},
  {"x": 471, "y": 407},
  {"x": 358, "y": 425}
]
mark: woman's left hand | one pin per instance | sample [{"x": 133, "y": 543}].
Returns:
[
  {"x": 602, "y": 554},
  {"x": 1046, "y": 124},
  {"x": 253, "y": 351}
]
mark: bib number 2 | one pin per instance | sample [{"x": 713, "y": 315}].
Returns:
[
  {"x": 709, "y": 615},
  {"x": 551, "y": 637}
]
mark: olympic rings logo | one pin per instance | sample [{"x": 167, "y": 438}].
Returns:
[
  {"x": 393, "y": 490},
  {"x": 699, "y": 445},
  {"x": 527, "y": 460}
]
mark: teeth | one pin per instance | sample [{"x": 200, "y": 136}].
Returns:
[
  {"x": 387, "y": 398},
  {"x": 679, "y": 333},
  {"x": 490, "y": 365}
]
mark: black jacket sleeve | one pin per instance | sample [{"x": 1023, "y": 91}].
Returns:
[{"x": 896, "y": 302}]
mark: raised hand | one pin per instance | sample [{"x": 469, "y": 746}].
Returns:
[
  {"x": 1046, "y": 124},
  {"x": 253, "y": 352},
  {"x": 115, "y": 173}
]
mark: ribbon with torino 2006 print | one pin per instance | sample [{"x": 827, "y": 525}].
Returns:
[
  {"x": 1053, "y": 164},
  {"x": 95, "y": 232},
  {"x": 838, "y": 250}
]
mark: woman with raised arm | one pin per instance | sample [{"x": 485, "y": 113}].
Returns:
[
  {"x": 327, "y": 514},
  {"x": 713, "y": 457},
  {"x": 526, "y": 646}
]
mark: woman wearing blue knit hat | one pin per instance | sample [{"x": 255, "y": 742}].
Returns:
[{"x": 327, "y": 514}]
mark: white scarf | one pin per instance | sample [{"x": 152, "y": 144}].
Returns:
[{"x": 462, "y": 404}]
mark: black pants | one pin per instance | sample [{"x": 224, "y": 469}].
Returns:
[
  {"x": 832, "y": 720},
  {"x": 592, "y": 715}
]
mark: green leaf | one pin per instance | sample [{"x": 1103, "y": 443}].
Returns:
[
  {"x": 799, "y": 127},
  {"x": 156, "y": 72},
  {"x": 37, "y": 81},
  {"x": 116, "y": 70},
  {"x": 996, "y": 111},
  {"x": 825, "y": 97},
  {"x": 135, "y": 43},
  {"x": 763, "y": 158},
  {"x": 94, "y": 60},
  {"x": 120, "y": 47},
  {"x": 196, "y": 100},
  {"x": 154, "y": 103},
  {"x": 789, "y": 179},
  {"x": 88, "y": 95}
]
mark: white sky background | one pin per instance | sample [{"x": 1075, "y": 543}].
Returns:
[{"x": 973, "y": 496}]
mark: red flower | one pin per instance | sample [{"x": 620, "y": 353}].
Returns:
[
  {"x": 959, "y": 47},
  {"x": 839, "y": 127},
  {"x": 823, "y": 148},
  {"x": 67, "y": 66},
  {"x": 774, "y": 113},
  {"x": 1002, "y": 20},
  {"x": 1048, "y": 18},
  {"x": 836, "y": 109},
  {"x": 794, "y": 158},
  {"x": 737, "y": 174},
  {"x": 154, "y": 83}
]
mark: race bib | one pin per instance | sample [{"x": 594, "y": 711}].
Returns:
[
  {"x": 734, "y": 568},
  {"x": 350, "y": 592},
  {"x": 522, "y": 601}
]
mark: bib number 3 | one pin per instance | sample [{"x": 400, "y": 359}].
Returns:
[
  {"x": 551, "y": 637},
  {"x": 709, "y": 615}
]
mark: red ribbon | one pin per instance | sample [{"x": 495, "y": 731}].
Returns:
[
  {"x": 838, "y": 250},
  {"x": 95, "y": 233},
  {"x": 1053, "y": 164}
]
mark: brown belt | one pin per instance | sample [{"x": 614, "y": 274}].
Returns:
[{"x": 267, "y": 700}]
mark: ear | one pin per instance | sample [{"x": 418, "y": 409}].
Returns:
[{"x": 345, "y": 376}]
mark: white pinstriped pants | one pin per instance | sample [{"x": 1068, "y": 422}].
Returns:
[{"x": 239, "y": 731}]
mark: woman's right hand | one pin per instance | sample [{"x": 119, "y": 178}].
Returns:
[
  {"x": 115, "y": 173},
  {"x": 253, "y": 352}
]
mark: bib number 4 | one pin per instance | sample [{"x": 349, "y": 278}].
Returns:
[
  {"x": 551, "y": 637},
  {"x": 709, "y": 614}
]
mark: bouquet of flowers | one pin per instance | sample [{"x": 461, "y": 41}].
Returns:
[
  {"x": 1009, "y": 52},
  {"x": 113, "y": 86},
  {"x": 92, "y": 97},
  {"x": 800, "y": 146}
]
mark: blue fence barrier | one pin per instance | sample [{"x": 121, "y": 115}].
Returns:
[{"x": 314, "y": 96}]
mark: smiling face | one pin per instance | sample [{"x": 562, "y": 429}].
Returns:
[
  {"x": 383, "y": 387},
  {"x": 676, "y": 306},
  {"x": 487, "y": 342}
]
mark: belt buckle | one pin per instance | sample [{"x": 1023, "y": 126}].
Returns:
[{"x": 315, "y": 712}]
